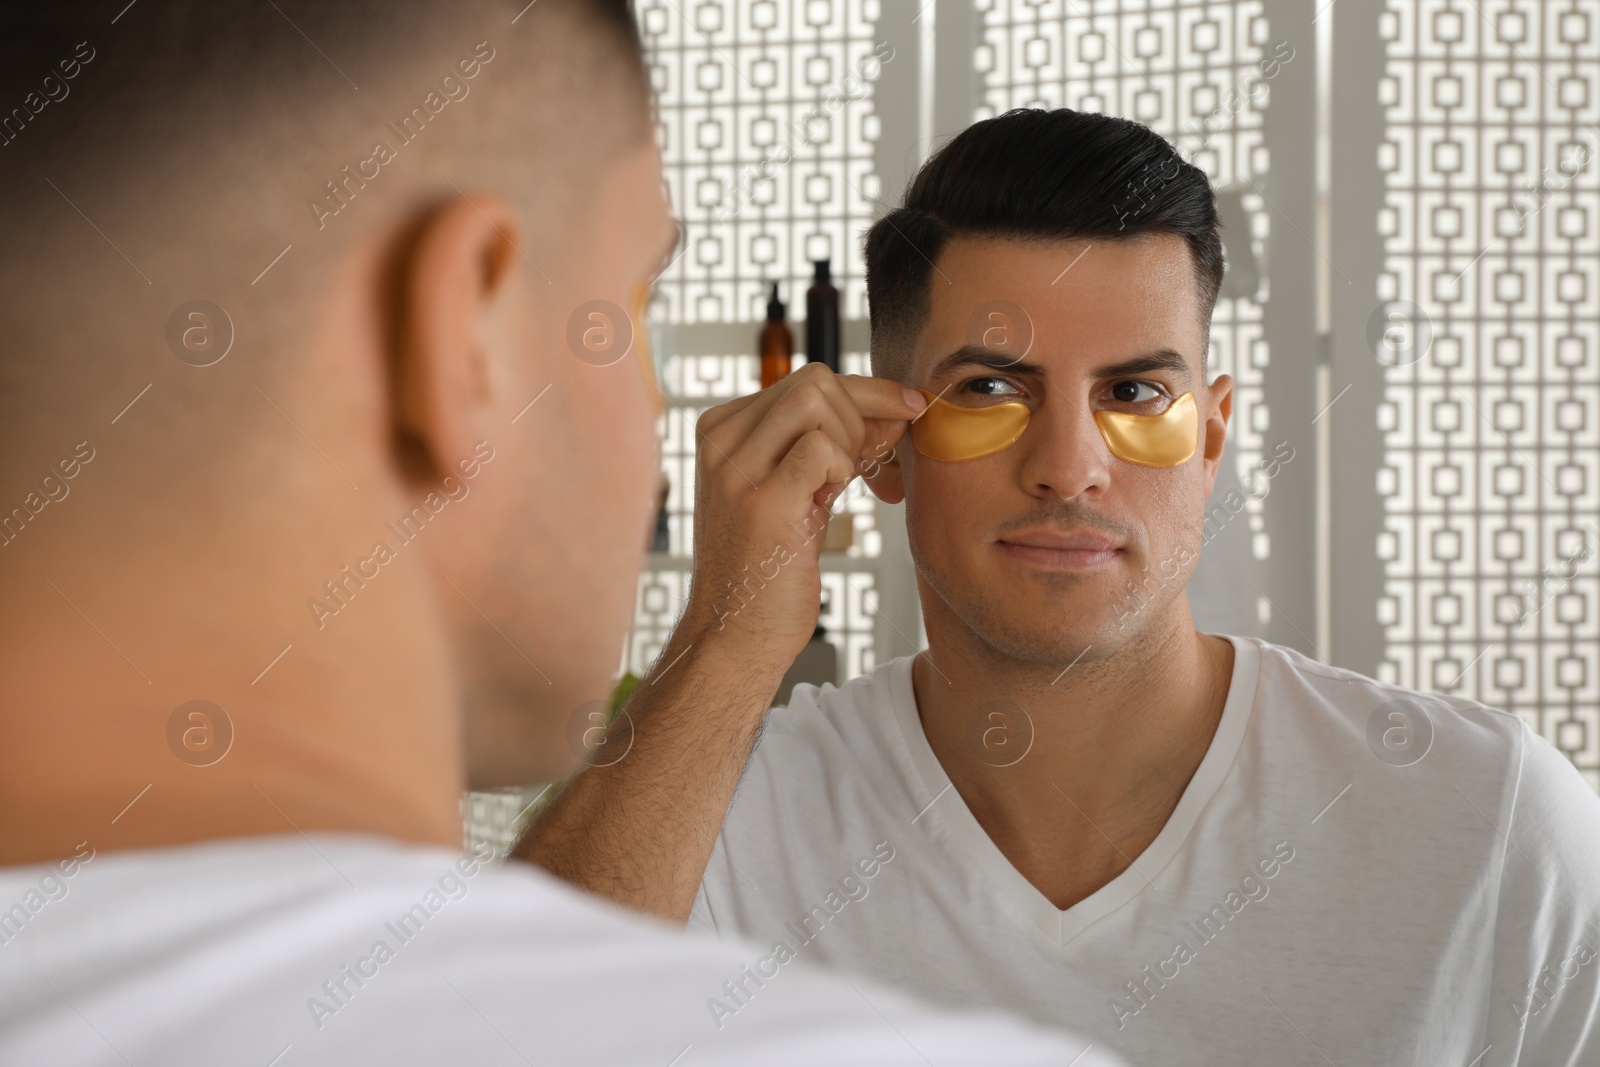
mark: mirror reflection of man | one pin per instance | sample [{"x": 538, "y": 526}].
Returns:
[
  {"x": 319, "y": 519},
  {"x": 1195, "y": 847}
]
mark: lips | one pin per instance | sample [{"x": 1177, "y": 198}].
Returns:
[
  {"x": 1055, "y": 550},
  {"x": 1066, "y": 542}
]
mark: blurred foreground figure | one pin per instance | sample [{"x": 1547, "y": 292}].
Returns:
[{"x": 315, "y": 513}]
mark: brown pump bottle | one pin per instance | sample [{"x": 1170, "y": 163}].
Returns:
[{"x": 776, "y": 343}]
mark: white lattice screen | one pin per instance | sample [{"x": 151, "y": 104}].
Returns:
[
  {"x": 767, "y": 127},
  {"x": 1491, "y": 477}
]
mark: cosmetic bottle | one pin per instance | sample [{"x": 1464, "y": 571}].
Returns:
[
  {"x": 776, "y": 342},
  {"x": 822, "y": 319}
]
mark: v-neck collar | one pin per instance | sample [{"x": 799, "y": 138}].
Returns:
[{"x": 946, "y": 805}]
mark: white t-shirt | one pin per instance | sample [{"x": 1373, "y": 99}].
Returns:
[
  {"x": 1319, "y": 891},
  {"x": 346, "y": 949}
]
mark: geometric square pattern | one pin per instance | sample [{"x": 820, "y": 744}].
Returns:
[
  {"x": 1489, "y": 304},
  {"x": 766, "y": 123},
  {"x": 765, "y": 116}
]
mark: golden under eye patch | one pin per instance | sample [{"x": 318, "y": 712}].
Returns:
[
  {"x": 951, "y": 433},
  {"x": 641, "y": 340},
  {"x": 1163, "y": 440}
]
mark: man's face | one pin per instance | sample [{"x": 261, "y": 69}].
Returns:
[{"x": 1086, "y": 326}]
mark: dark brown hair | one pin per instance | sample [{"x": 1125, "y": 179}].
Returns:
[{"x": 1032, "y": 174}]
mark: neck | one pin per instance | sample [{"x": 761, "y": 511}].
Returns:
[
  {"x": 1072, "y": 768},
  {"x": 353, "y": 729}
]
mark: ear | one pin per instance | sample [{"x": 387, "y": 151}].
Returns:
[
  {"x": 453, "y": 289},
  {"x": 880, "y": 465},
  {"x": 1216, "y": 426}
]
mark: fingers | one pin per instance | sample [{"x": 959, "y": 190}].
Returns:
[
  {"x": 757, "y": 404},
  {"x": 807, "y": 406},
  {"x": 815, "y": 460},
  {"x": 857, "y": 411},
  {"x": 883, "y": 435},
  {"x": 799, "y": 443},
  {"x": 711, "y": 418}
]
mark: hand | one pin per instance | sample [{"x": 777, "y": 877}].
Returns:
[{"x": 769, "y": 466}]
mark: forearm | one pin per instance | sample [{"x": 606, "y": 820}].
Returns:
[{"x": 640, "y": 831}]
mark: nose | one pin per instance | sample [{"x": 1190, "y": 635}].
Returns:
[{"x": 1062, "y": 452}]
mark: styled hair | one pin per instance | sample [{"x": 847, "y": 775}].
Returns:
[{"x": 1034, "y": 175}]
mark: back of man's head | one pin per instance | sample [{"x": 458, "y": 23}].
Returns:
[
  {"x": 279, "y": 285},
  {"x": 156, "y": 153}
]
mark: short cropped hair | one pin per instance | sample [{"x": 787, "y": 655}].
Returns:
[
  {"x": 1034, "y": 175},
  {"x": 185, "y": 143},
  {"x": 43, "y": 45}
]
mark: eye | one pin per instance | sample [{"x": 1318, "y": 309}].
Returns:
[
  {"x": 1135, "y": 392},
  {"x": 990, "y": 385}
]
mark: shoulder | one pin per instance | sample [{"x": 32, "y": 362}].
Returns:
[
  {"x": 829, "y": 771},
  {"x": 365, "y": 950},
  {"x": 1398, "y": 723},
  {"x": 833, "y": 728},
  {"x": 816, "y": 711},
  {"x": 1546, "y": 987},
  {"x": 1528, "y": 796},
  {"x": 1555, "y": 810},
  {"x": 586, "y": 963}
]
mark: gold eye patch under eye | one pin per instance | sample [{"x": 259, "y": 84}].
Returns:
[
  {"x": 1163, "y": 440},
  {"x": 951, "y": 433},
  {"x": 641, "y": 341}
]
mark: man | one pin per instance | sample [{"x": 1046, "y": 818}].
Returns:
[
  {"x": 1190, "y": 846},
  {"x": 327, "y": 475}
]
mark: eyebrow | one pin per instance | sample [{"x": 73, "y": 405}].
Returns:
[{"x": 973, "y": 355}]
